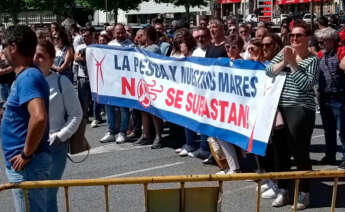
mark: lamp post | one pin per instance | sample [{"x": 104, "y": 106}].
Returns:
[
  {"x": 312, "y": 16},
  {"x": 106, "y": 11},
  {"x": 321, "y": 7}
]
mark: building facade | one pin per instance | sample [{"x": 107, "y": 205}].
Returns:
[{"x": 150, "y": 10}]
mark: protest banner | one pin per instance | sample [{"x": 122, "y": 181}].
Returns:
[{"x": 231, "y": 100}]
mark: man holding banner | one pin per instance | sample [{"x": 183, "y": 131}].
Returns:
[{"x": 113, "y": 134}]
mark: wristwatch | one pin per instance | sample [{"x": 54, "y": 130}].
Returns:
[{"x": 22, "y": 154}]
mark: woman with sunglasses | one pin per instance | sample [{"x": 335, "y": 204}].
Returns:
[
  {"x": 297, "y": 107},
  {"x": 271, "y": 45},
  {"x": 64, "y": 54},
  {"x": 65, "y": 115},
  {"x": 234, "y": 45},
  {"x": 255, "y": 50}
]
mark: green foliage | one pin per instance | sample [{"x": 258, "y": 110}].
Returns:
[
  {"x": 190, "y": 3},
  {"x": 13, "y": 8},
  {"x": 58, "y": 7},
  {"x": 112, "y": 5},
  {"x": 187, "y": 5}
]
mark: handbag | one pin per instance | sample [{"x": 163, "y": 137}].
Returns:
[
  {"x": 77, "y": 143},
  {"x": 217, "y": 153}
]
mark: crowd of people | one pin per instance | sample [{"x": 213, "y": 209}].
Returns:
[{"x": 45, "y": 96}]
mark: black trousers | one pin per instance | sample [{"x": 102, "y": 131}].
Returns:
[{"x": 294, "y": 140}]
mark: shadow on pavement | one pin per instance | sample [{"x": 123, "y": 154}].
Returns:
[{"x": 321, "y": 195}]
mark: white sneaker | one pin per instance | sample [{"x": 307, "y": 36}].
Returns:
[
  {"x": 120, "y": 138},
  {"x": 191, "y": 154},
  {"x": 183, "y": 153},
  {"x": 225, "y": 171},
  {"x": 178, "y": 150},
  {"x": 266, "y": 184},
  {"x": 94, "y": 123},
  {"x": 303, "y": 201},
  {"x": 108, "y": 137},
  {"x": 282, "y": 198},
  {"x": 270, "y": 193}
]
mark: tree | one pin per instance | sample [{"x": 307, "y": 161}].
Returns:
[
  {"x": 58, "y": 7},
  {"x": 13, "y": 8},
  {"x": 187, "y": 5},
  {"x": 111, "y": 5}
]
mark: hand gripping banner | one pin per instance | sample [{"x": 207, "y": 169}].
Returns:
[{"x": 231, "y": 100}]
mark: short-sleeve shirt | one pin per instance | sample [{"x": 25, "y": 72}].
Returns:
[
  {"x": 216, "y": 51},
  {"x": 29, "y": 84},
  {"x": 82, "y": 68}
]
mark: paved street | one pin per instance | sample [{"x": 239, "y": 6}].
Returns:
[{"x": 112, "y": 160}]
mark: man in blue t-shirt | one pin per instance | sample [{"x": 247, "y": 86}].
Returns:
[{"x": 24, "y": 127}]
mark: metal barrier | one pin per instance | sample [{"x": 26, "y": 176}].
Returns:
[{"x": 297, "y": 176}]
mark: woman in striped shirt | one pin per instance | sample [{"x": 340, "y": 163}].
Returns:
[{"x": 297, "y": 107}]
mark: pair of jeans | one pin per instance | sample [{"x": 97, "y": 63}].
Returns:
[
  {"x": 192, "y": 145},
  {"x": 294, "y": 140},
  {"x": 38, "y": 168},
  {"x": 333, "y": 117},
  {"x": 110, "y": 111},
  {"x": 84, "y": 94},
  {"x": 59, "y": 156},
  {"x": 97, "y": 111}
]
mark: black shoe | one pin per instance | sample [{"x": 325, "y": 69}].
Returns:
[
  {"x": 133, "y": 136},
  {"x": 143, "y": 141},
  {"x": 342, "y": 165},
  {"x": 209, "y": 161},
  {"x": 328, "y": 161},
  {"x": 157, "y": 143}
]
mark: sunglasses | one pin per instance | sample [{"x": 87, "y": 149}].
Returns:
[
  {"x": 56, "y": 38},
  {"x": 232, "y": 29},
  {"x": 200, "y": 36},
  {"x": 267, "y": 44},
  {"x": 251, "y": 49},
  {"x": 228, "y": 46},
  {"x": 296, "y": 35},
  {"x": 243, "y": 32}
]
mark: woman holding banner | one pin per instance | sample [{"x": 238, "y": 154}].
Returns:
[
  {"x": 297, "y": 107},
  {"x": 148, "y": 38},
  {"x": 233, "y": 45},
  {"x": 271, "y": 46}
]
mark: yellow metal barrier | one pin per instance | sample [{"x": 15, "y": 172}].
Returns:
[{"x": 297, "y": 176}]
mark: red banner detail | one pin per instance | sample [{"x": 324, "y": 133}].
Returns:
[
  {"x": 282, "y": 2},
  {"x": 228, "y": 1}
]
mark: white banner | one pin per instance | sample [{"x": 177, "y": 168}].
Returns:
[{"x": 232, "y": 101}]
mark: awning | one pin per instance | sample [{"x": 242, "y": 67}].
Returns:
[
  {"x": 297, "y": 1},
  {"x": 228, "y": 1}
]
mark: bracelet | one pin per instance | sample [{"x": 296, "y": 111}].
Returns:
[{"x": 22, "y": 154}]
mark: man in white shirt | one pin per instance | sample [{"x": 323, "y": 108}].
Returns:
[
  {"x": 115, "y": 134},
  {"x": 76, "y": 36},
  {"x": 84, "y": 90},
  {"x": 203, "y": 39}
]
